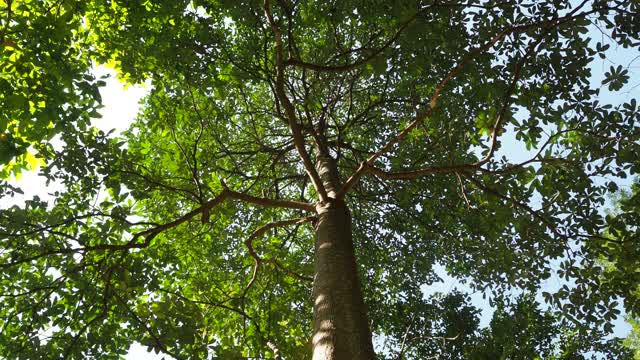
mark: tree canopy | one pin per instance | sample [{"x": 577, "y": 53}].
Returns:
[{"x": 200, "y": 231}]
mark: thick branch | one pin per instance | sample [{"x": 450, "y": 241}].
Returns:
[
  {"x": 265, "y": 202},
  {"x": 296, "y": 131}
]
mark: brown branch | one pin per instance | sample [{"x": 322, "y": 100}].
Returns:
[
  {"x": 506, "y": 103},
  {"x": 157, "y": 183},
  {"x": 405, "y": 343},
  {"x": 192, "y": 169},
  {"x": 220, "y": 305},
  {"x": 67, "y": 221},
  {"x": 365, "y": 166},
  {"x": 457, "y": 169},
  {"x": 410, "y": 175},
  {"x": 151, "y": 233},
  {"x": 266, "y": 202},
  {"x": 258, "y": 260},
  {"x": 536, "y": 214},
  {"x": 519, "y": 204},
  {"x": 238, "y": 311},
  {"x": 104, "y": 307},
  {"x": 347, "y": 67},
  {"x": 54, "y": 285},
  {"x": 296, "y": 131},
  {"x": 443, "y": 338},
  {"x": 195, "y": 171},
  {"x": 100, "y": 247},
  {"x": 404, "y": 338},
  {"x": 101, "y": 316},
  {"x": 514, "y": 167},
  {"x": 462, "y": 191}
]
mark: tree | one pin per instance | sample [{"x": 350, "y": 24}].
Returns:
[
  {"x": 312, "y": 157},
  {"x": 633, "y": 340},
  {"x": 619, "y": 258}
]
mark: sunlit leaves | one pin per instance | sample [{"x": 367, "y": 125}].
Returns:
[{"x": 45, "y": 85}]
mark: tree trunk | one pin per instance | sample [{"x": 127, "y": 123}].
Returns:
[{"x": 340, "y": 326}]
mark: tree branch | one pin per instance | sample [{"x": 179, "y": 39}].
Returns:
[
  {"x": 266, "y": 202},
  {"x": 156, "y": 338},
  {"x": 365, "y": 166},
  {"x": 408, "y": 175},
  {"x": 404, "y": 338},
  {"x": 151, "y": 233},
  {"x": 298, "y": 138},
  {"x": 535, "y": 213},
  {"x": 258, "y": 260},
  {"x": 347, "y": 67}
]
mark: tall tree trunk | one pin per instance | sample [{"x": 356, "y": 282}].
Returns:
[{"x": 340, "y": 326}]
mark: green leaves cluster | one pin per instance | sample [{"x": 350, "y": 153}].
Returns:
[{"x": 46, "y": 87}]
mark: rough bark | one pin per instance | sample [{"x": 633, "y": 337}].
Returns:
[{"x": 341, "y": 329}]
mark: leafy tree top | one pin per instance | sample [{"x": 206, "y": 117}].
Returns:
[{"x": 191, "y": 232}]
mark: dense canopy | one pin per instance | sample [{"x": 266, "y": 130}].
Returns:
[{"x": 285, "y": 144}]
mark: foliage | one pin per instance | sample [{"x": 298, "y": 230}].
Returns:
[
  {"x": 448, "y": 327},
  {"x": 159, "y": 237},
  {"x": 633, "y": 340},
  {"x": 46, "y": 87},
  {"x": 619, "y": 257}
]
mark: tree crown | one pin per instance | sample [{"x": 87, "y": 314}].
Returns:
[{"x": 190, "y": 232}]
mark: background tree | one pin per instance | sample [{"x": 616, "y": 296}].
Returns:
[
  {"x": 375, "y": 128},
  {"x": 619, "y": 258},
  {"x": 633, "y": 340}
]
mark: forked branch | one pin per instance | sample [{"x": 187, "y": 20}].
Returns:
[
  {"x": 259, "y": 260},
  {"x": 296, "y": 131},
  {"x": 353, "y": 65},
  {"x": 497, "y": 126},
  {"x": 550, "y": 225},
  {"x": 366, "y": 166}
]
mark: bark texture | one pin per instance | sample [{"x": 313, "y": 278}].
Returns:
[{"x": 341, "y": 329}]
